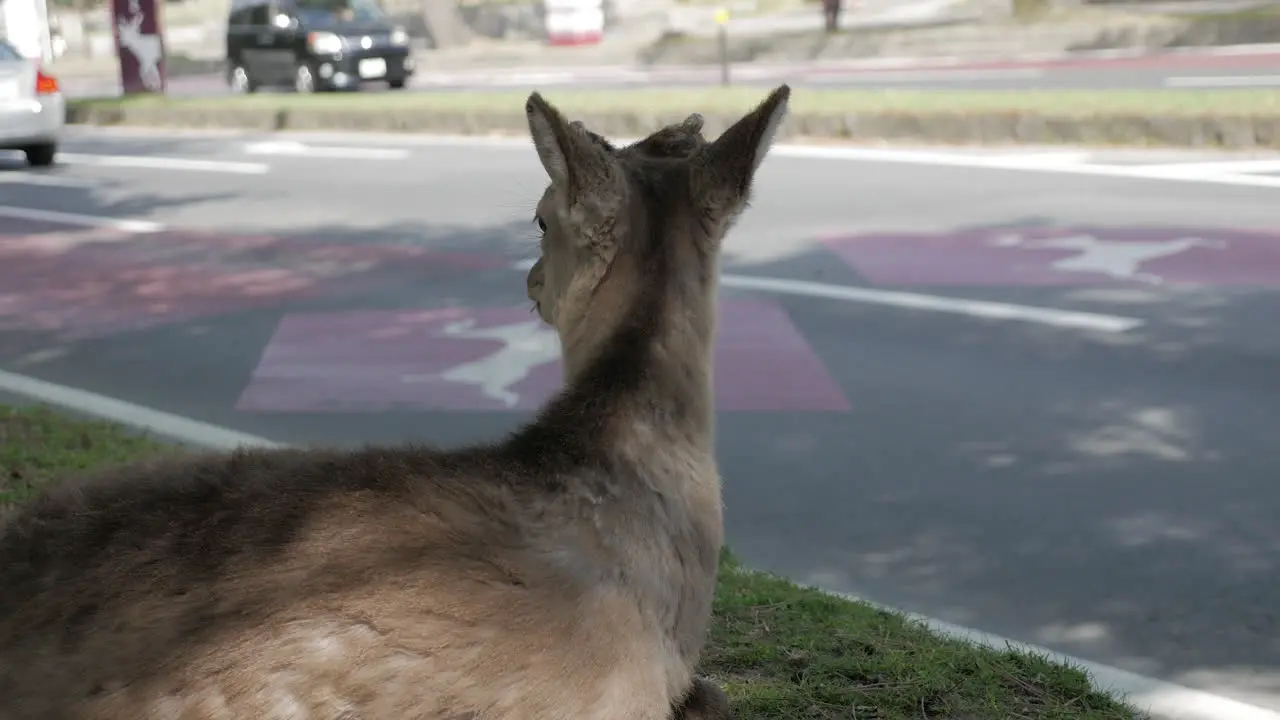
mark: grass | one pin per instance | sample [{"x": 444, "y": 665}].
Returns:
[
  {"x": 1071, "y": 103},
  {"x": 782, "y": 652},
  {"x": 38, "y": 445}
]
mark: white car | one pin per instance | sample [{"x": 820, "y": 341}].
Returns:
[{"x": 32, "y": 108}]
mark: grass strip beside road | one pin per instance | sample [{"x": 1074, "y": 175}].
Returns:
[
  {"x": 781, "y": 651},
  {"x": 1238, "y": 119},
  {"x": 717, "y": 100}
]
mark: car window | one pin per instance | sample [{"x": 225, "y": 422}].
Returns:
[
  {"x": 260, "y": 15},
  {"x": 7, "y": 52},
  {"x": 320, "y": 13}
]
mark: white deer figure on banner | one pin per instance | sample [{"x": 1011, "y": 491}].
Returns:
[{"x": 146, "y": 48}]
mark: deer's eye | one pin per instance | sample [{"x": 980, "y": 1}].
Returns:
[{"x": 542, "y": 225}]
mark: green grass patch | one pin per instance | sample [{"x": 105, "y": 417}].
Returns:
[
  {"x": 38, "y": 445},
  {"x": 784, "y": 651},
  {"x": 1071, "y": 103},
  {"x": 780, "y": 651}
]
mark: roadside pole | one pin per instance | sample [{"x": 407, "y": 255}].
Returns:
[{"x": 722, "y": 34}]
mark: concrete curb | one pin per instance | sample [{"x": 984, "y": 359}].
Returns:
[{"x": 953, "y": 128}]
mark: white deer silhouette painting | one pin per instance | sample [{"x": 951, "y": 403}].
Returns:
[
  {"x": 146, "y": 48},
  {"x": 525, "y": 346},
  {"x": 1116, "y": 258}
]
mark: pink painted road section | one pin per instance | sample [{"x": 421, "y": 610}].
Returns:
[
  {"x": 504, "y": 359},
  {"x": 1065, "y": 256},
  {"x": 76, "y": 282}
]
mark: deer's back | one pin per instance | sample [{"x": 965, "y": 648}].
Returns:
[{"x": 299, "y": 584}]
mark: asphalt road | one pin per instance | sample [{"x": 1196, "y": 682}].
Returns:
[
  {"x": 1105, "y": 490},
  {"x": 1244, "y": 70}
]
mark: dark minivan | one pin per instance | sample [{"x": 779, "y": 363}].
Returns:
[{"x": 314, "y": 45}]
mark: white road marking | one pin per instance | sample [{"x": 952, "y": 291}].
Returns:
[
  {"x": 1212, "y": 168},
  {"x": 1048, "y": 158},
  {"x": 1220, "y": 81},
  {"x": 984, "y": 309},
  {"x": 1117, "y": 259},
  {"x": 165, "y": 424},
  {"x": 156, "y": 162},
  {"x": 1043, "y": 162},
  {"x": 1163, "y": 700},
  {"x": 53, "y": 216},
  {"x": 294, "y": 148},
  {"x": 525, "y": 345},
  {"x": 936, "y": 303},
  {"x": 924, "y": 76},
  {"x": 45, "y": 180},
  {"x": 1019, "y": 162},
  {"x": 1006, "y": 162}
]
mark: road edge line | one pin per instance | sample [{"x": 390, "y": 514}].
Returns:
[
  {"x": 1162, "y": 699},
  {"x": 944, "y": 156},
  {"x": 138, "y": 227},
  {"x": 168, "y": 425},
  {"x": 160, "y": 162}
]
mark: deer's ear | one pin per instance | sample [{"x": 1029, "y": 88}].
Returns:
[
  {"x": 574, "y": 161},
  {"x": 724, "y": 169}
]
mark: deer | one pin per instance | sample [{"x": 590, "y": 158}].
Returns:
[{"x": 566, "y": 570}]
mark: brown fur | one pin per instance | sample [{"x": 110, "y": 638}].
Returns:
[{"x": 564, "y": 572}]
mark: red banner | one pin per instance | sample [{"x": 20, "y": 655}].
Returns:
[{"x": 139, "y": 45}]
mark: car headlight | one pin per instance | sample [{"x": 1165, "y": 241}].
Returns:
[
  {"x": 324, "y": 43},
  {"x": 399, "y": 37}
]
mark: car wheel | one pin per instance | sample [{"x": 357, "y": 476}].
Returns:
[
  {"x": 397, "y": 84},
  {"x": 303, "y": 80},
  {"x": 40, "y": 155},
  {"x": 239, "y": 81}
]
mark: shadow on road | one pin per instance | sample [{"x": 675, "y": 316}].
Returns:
[{"x": 1109, "y": 495}]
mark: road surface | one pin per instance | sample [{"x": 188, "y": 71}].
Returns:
[
  {"x": 1032, "y": 394},
  {"x": 1252, "y": 69}
]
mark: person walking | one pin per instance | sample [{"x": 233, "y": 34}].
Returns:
[{"x": 831, "y": 12}]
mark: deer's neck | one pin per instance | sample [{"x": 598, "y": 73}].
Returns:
[{"x": 651, "y": 369}]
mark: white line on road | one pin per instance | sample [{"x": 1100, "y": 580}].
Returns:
[
  {"x": 29, "y": 178},
  {"x": 294, "y": 148},
  {"x": 1013, "y": 162},
  {"x": 1224, "y": 167},
  {"x": 917, "y": 301},
  {"x": 1048, "y": 159},
  {"x": 875, "y": 77},
  {"x": 53, "y": 216},
  {"x": 1066, "y": 162},
  {"x": 156, "y": 162},
  {"x": 1219, "y": 81},
  {"x": 932, "y": 158},
  {"x": 171, "y": 426},
  {"x": 936, "y": 303},
  {"x": 1163, "y": 700}
]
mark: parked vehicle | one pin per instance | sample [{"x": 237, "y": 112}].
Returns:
[
  {"x": 32, "y": 109},
  {"x": 314, "y": 45}
]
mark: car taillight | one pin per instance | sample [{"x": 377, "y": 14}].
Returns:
[{"x": 45, "y": 84}]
